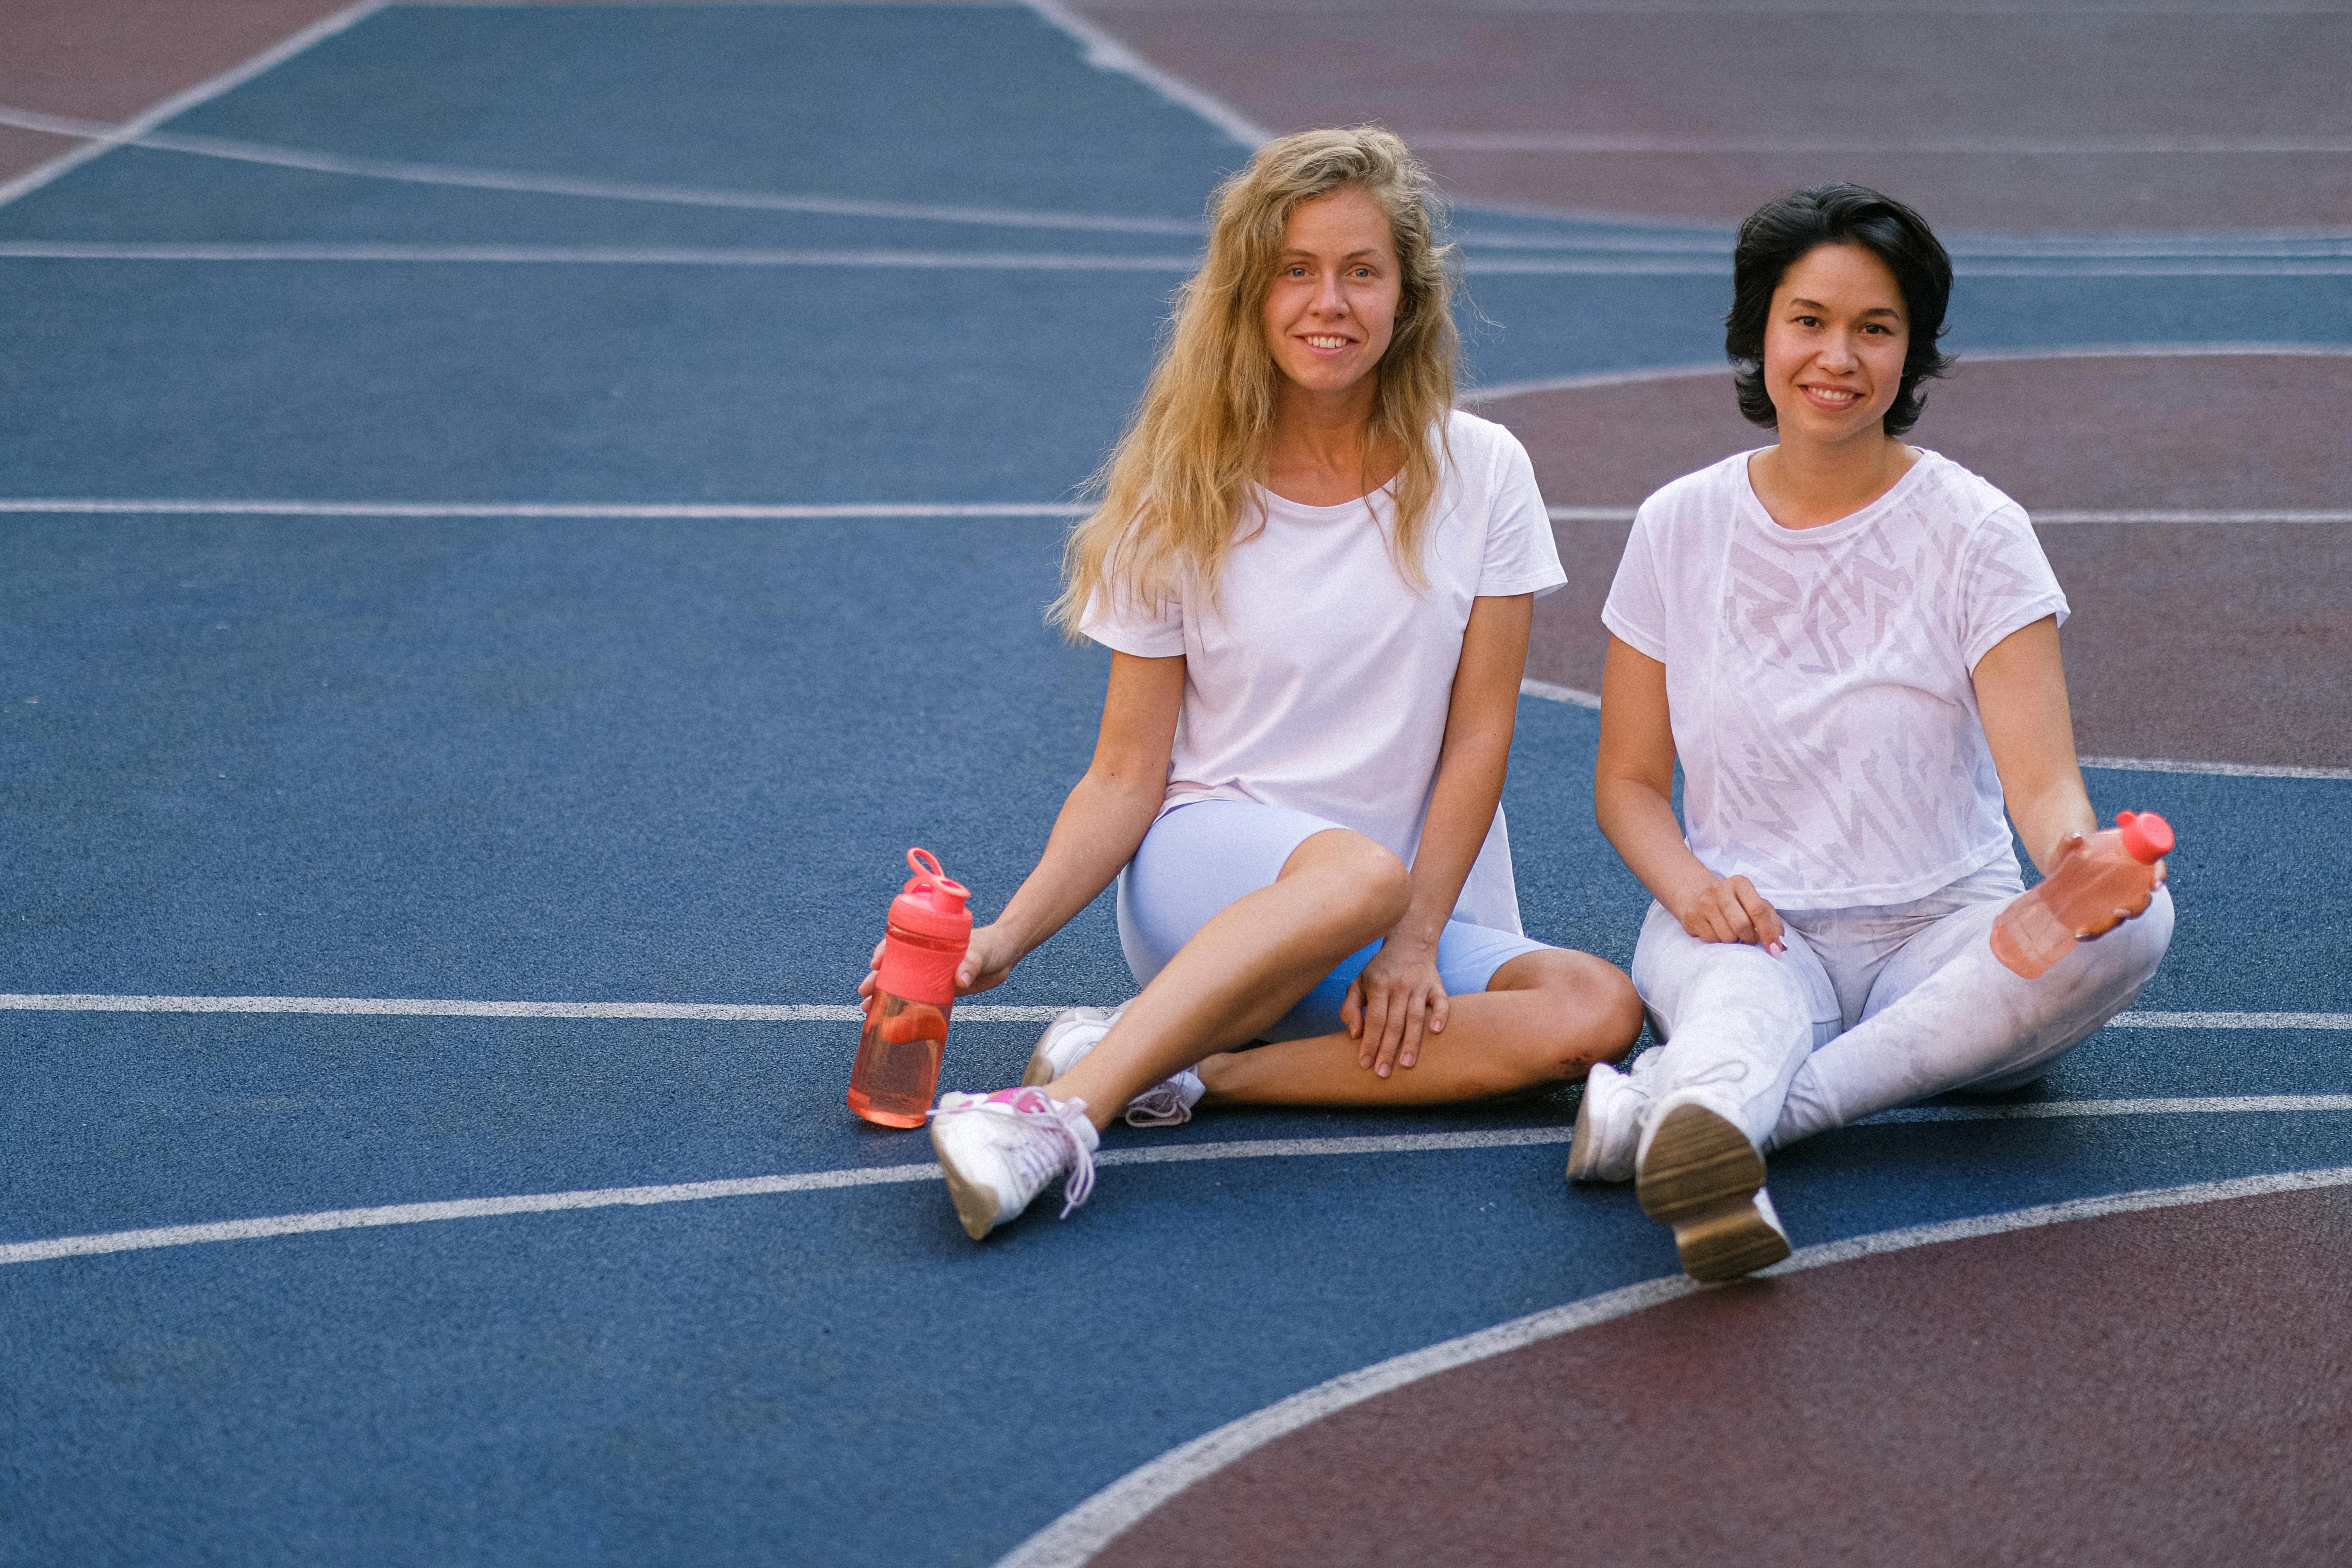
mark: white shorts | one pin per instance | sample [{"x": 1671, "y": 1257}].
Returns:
[{"x": 1205, "y": 855}]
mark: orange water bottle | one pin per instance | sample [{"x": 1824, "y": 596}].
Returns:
[
  {"x": 2113, "y": 872},
  {"x": 898, "y": 1068}
]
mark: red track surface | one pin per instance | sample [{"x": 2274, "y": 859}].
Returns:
[
  {"x": 108, "y": 60},
  {"x": 2218, "y": 642},
  {"x": 2013, "y": 123},
  {"x": 2165, "y": 1387}
]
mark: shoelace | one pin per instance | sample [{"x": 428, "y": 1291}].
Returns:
[
  {"x": 1040, "y": 1160},
  {"x": 1162, "y": 1105}
]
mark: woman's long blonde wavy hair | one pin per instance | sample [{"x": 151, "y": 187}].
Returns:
[{"x": 1175, "y": 489}]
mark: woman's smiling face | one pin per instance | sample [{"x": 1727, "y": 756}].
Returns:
[
  {"x": 1332, "y": 306},
  {"x": 1834, "y": 344}
]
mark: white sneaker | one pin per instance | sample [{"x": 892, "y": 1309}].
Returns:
[
  {"x": 1075, "y": 1031},
  {"x": 999, "y": 1151},
  {"x": 1696, "y": 1172},
  {"x": 1608, "y": 1124}
]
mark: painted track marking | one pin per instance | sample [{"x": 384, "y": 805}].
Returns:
[
  {"x": 1597, "y": 379},
  {"x": 808, "y": 1013},
  {"x": 1076, "y": 1537},
  {"x": 268, "y": 1225},
  {"x": 1104, "y": 51},
  {"x": 1608, "y": 266},
  {"x": 1990, "y": 146},
  {"x": 102, "y": 139},
  {"x": 747, "y": 512},
  {"x": 402, "y": 172}
]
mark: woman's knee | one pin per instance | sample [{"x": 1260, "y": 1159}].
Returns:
[
  {"x": 1593, "y": 1013},
  {"x": 1366, "y": 882}
]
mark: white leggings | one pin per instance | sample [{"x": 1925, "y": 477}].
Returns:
[{"x": 1873, "y": 1008}]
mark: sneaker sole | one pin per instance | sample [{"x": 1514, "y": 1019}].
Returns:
[
  {"x": 975, "y": 1203},
  {"x": 1040, "y": 1071},
  {"x": 1701, "y": 1177},
  {"x": 1581, "y": 1146}
]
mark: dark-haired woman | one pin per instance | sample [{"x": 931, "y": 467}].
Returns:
[{"x": 1852, "y": 645}]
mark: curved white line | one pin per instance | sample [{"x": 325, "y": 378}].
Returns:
[
  {"x": 405, "y": 173},
  {"x": 1974, "y": 356},
  {"x": 268, "y": 1225},
  {"x": 684, "y": 510},
  {"x": 1076, "y": 1537},
  {"x": 1106, "y": 52},
  {"x": 1582, "y": 141},
  {"x": 818, "y": 1013},
  {"x": 365, "y": 252},
  {"x": 103, "y": 138},
  {"x": 2223, "y": 770}
]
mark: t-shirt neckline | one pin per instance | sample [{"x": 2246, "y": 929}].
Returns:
[
  {"x": 1760, "y": 517},
  {"x": 1272, "y": 499}
]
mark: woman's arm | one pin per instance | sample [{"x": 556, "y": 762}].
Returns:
[
  {"x": 2020, "y": 686},
  {"x": 1633, "y": 798},
  {"x": 1399, "y": 993},
  {"x": 1101, "y": 823}
]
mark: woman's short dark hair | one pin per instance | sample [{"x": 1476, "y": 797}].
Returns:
[{"x": 1785, "y": 230}]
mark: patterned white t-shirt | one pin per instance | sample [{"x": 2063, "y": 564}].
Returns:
[
  {"x": 1817, "y": 678},
  {"x": 1320, "y": 680}
]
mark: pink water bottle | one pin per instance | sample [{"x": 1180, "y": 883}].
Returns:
[
  {"x": 2114, "y": 870},
  {"x": 898, "y": 1068}
]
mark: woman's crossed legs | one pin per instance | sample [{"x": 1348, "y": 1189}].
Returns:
[{"x": 1235, "y": 916}]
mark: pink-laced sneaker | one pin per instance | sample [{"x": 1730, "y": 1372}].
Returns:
[
  {"x": 1075, "y": 1031},
  {"x": 999, "y": 1151}
]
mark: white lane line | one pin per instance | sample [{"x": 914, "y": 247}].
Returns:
[
  {"x": 2059, "y": 516},
  {"x": 758, "y": 511},
  {"x": 2054, "y": 266},
  {"x": 1106, "y": 52},
  {"x": 825, "y": 1013},
  {"x": 458, "y": 1208},
  {"x": 106, "y": 138},
  {"x": 689, "y": 511},
  {"x": 582, "y": 254},
  {"x": 2186, "y": 515},
  {"x": 1575, "y": 696},
  {"x": 2063, "y": 146},
  {"x": 425, "y": 1007},
  {"x": 386, "y": 252},
  {"x": 2231, "y": 1021},
  {"x": 405, "y": 173},
  {"x": 1975, "y": 356},
  {"x": 2223, "y": 770},
  {"x": 1582, "y": 699},
  {"x": 1076, "y": 1537},
  {"x": 2060, "y": 1110},
  {"x": 265, "y": 1226}
]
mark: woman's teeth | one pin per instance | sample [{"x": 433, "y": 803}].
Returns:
[{"x": 1321, "y": 343}]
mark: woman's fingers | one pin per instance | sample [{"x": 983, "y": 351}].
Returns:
[{"x": 1762, "y": 919}]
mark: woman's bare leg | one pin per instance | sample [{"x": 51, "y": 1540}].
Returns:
[
  {"x": 1544, "y": 1018},
  {"x": 1245, "y": 969}
]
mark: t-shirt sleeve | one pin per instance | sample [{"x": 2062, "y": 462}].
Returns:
[
  {"x": 1120, "y": 624},
  {"x": 1521, "y": 555},
  {"x": 1636, "y": 607},
  {"x": 2006, "y": 582}
]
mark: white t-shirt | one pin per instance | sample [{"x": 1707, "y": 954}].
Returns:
[
  {"x": 1320, "y": 679},
  {"x": 1817, "y": 678}
]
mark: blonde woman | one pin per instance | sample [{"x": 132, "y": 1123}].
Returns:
[{"x": 1315, "y": 577}]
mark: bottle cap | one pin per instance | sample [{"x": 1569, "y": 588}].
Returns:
[
  {"x": 933, "y": 902},
  {"x": 2147, "y": 838}
]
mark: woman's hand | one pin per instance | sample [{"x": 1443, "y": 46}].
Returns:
[
  {"x": 1729, "y": 908},
  {"x": 1391, "y": 1001},
  {"x": 2075, "y": 844},
  {"x": 986, "y": 961}
]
